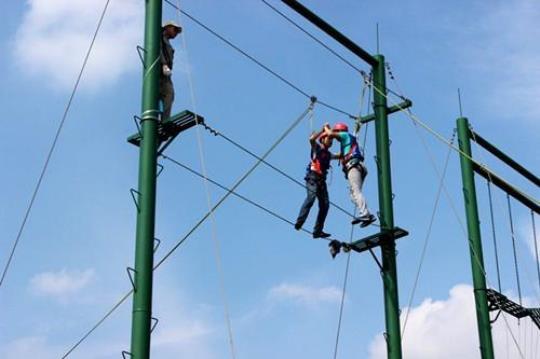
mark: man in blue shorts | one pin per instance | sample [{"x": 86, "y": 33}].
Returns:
[
  {"x": 352, "y": 161},
  {"x": 316, "y": 183}
]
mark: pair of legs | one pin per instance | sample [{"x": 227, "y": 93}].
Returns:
[
  {"x": 316, "y": 189},
  {"x": 356, "y": 176},
  {"x": 166, "y": 96}
]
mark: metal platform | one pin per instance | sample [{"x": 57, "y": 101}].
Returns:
[
  {"x": 375, "y": 240},
  {"x": 171, "y": 127},
  {"x": 498, "y": 301}
]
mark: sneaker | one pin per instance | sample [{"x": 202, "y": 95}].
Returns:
[
  {"x": 356, "y": 220},
  {"x": 367, "y": 220},
  {"x": 321, "y": 234},
  {"x": 297, "y": 226}
]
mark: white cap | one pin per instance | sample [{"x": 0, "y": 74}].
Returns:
[{"x": 172, "y": 23}]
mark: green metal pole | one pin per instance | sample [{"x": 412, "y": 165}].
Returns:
[
  {"x": 386, "y": 212},
  {"x": 475, "y": 242},
  {"x": 146, "y": 209}
]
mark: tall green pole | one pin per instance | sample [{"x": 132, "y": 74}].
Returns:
[
  {"x": 146, "y": 209},
  {"x": 475, "y": 242},
  {"x": 386, "y": 212}
]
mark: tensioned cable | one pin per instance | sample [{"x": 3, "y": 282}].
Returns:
[
  {"x": 295, "y": 24},
  {"x": 217, "y": 249},
  {"x": 427, "y": 238},
  {"x": 281, "y": 172},
  {"x": 494, "y": 235},
  {"x": 53, "y": 145},
  {"x": 257, "y": 62},
  {"x": 201, "y": 221}
]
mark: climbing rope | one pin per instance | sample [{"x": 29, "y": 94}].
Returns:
[
  {"x": 215, "y": 240},
  {"x": 494, "y": 236},
  {"x": 53, "y": 144},
  {"x": 514, "y": 246}
]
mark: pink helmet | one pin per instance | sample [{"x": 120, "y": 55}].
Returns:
[{"x": 340, "y": 126}]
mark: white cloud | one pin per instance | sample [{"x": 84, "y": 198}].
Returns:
[
  {"x": 303, "y": 294},
  {"x": 54, "y": 36},
  {"x": 503, "y": 45},
  {"x": 61, "y": 284},
  {"x": 447, "y": 329}
]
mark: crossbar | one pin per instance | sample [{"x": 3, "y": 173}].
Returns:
[
  {"x": 396, "y": 108},
  {"x": 481, "y": 141},
  {"x": 331, "y": 31}
]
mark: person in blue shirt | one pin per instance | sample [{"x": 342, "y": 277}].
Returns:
[
  {"x": 316, "y": 183},
  {"x": 352, "y": 162}
]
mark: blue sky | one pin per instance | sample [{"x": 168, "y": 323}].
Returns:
[{"x": 282, "y": 287}]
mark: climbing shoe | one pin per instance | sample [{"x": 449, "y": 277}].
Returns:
[
  {"x": 297, "y": 226},
  {"x": 367, "y": 220},
  {"x": 356, "y": 220},
  {"x": 321, "y": 234}
]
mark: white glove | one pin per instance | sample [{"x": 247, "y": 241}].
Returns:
[{"x": 166, "y": 71}]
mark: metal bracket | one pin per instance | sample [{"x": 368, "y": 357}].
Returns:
[
  {"x": 376, "y": 260},
  {"x": 137, "y": 120},
  {"x": 154, "y": 324},
  {"x": 129, "y": 271},
  {"x": 139, "y": 50},
  {"x": 124, "y": 353},
  {"x": 496, "y": 317},
  {"x": 133, "y": 191},
  {"x": 158, "y": 242},
  {"x": 161, "y": 168}
]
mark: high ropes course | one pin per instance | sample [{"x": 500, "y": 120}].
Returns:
[{"x": 153, "y": 137}]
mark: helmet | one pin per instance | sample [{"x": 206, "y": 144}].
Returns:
[{"x": 340, "y": 126}]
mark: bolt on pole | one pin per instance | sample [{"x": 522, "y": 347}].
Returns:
[
  {"x": 475, "y": 241},
  {"x": 144, "y": 257}
]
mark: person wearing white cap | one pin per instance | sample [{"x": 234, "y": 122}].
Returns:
[{"x": 166, "y": 87}]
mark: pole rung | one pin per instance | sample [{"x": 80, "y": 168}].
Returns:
[
  {"x": 157, "y": 242},
  {"x": 124, "y": 353},
  {"x": 155, "y": 322},
  {"x": 133, "y": 191},
  {"x": 131, "y": 279}
]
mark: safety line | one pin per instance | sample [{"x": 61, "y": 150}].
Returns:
[
  {"x": 53, "y": 145},
  {"x": 217, "y": 247},
  {"x": 259, "y": 63}
]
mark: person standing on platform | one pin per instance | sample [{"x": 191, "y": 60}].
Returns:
[{"x": 166, "y": 87}]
